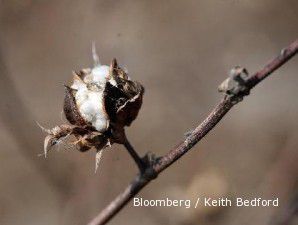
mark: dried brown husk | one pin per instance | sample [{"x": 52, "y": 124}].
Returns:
[{"x": 121, "y": 103}]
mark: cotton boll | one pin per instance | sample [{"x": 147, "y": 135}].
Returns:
[
  {"x": 89, "y": 93},
  {"x": 98, "y": 105}
]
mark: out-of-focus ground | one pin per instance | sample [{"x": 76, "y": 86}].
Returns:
[{"x": 180, "y": 51}]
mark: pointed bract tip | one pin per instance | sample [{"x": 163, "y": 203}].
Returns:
[
  {"x": 95, "y": 55},
  {"x": 114, "y": 63},
  {"x": 98, "y": 157},
  {"x": 77, "y": 77},
  {"x": 49, "y": 142},
  {"x": 42, "y": 128}
]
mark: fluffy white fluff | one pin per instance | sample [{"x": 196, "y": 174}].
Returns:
[{"x": 90, "y": 99}]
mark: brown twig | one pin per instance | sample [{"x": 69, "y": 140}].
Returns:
[{"x": 194, "y": 137}]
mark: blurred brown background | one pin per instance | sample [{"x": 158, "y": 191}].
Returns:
[{"x": 180, "y": 51}]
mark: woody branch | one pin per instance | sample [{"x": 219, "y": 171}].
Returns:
[{"x": 193, "y": 138}]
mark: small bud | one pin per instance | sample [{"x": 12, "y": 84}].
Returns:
[{"x": 235, "y": 86}]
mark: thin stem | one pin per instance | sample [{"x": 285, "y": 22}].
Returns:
[
  {"x": 193, "y": 138},
  {"x": 138, "y": 160}
]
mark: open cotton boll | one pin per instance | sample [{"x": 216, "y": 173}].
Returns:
[
  {"x": 90, "y": 99},
  {"x": 98, "y": 105}
]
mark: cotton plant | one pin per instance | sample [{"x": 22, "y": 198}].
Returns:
[{"x": 99, "y": 104}]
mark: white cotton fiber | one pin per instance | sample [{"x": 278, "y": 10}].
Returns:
[
  {"x": 90, "y": 100},
  {"x": 100, "y": 74}
]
